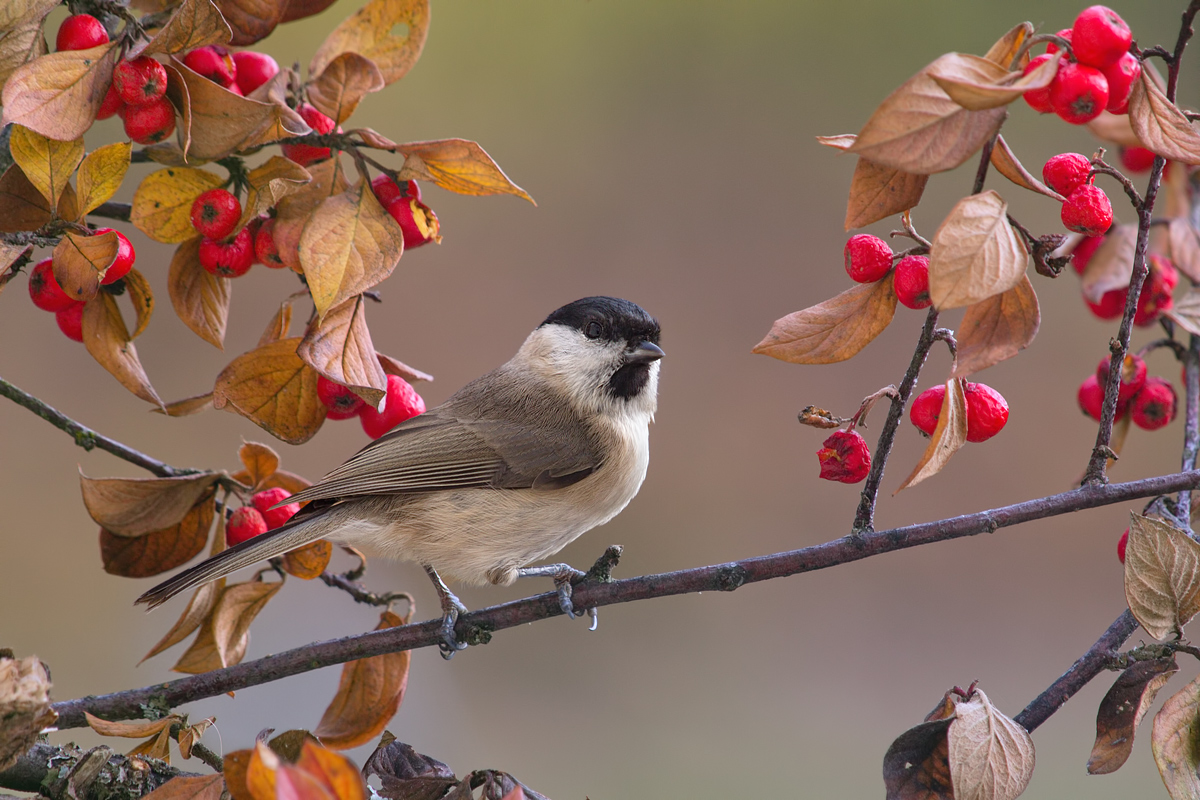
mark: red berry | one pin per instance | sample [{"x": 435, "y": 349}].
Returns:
[
  {"x": 150, "y": 123},
  {"x": 1121, "y": 544},
  {"x": 304, "y": 154},
  {"x": 1091, "y": 396},
  {"x": 1039, "y": 99},
  {"x": 844, "y": 457},
  {"x": 1154, "y": 406},
  {"x": 1111, "y": 305},
  {"x": 987, "y": 412},
  {"x": 275, "y": 517},
  {"x": 140, "y": 81},
  {"x": 927, "y": 408},
  {"x": 1078, "y": 93},
  {"x": 417, "y": 221},
  {"x": 244, "y": 523},
  {"x": 265, "y": 249},
  {"x": 402, "y": 402},
  {"x": 111, "y": 104},
  {"x": 912, "y": 281},
  {"x": 387, "y": 190},
  {"x": 228, "y": 259},
  {"x": 341, "y": 402},
  {"x": 1084, "y": 251},
  {"x": 868, "y": 258},
  {"x": 70, "y": 320},
  {"x": 121, "y": 265},
  {"x": 79, "y": 32},
  {"x": 1051, "y": 47},
  {"x": 1087, "y": 211},
  {"x": 1099, "y": 36},
  {"x": 1156, "y": 296},
  {"x": 253, "y": 69},
  {"x": 1120, "y": 76},
  {"x": 1066, "y": 172},
  {"x": 1137, "y": 159},
  {"x": 216, "y": 213},
  {"x": 44, "y": 289},
  {"x": 213, "y": 62},
  {"x": 1133, "y": 377}
]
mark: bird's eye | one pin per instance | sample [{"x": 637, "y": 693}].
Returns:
[{"x": 593, "y": 330}]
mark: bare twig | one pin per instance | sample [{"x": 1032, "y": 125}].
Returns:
[
  {"x": 111, "y": 210},
  {"x": 1101, "y": 168}
]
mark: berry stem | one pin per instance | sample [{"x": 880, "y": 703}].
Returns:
[
  {"x": 985, "y": 160},
  {"x": 1101, "y": 168}
]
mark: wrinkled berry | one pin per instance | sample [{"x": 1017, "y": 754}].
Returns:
[
  {"x": 1078, "y": 93},
  {"x": 1099, "y": 36},
  {"x": 275, "y": 517},
  {"x": 1133, "y": 376},
  {"x": 1087, "y": 211},
  {"x": 44, "y": 289},
  {"x": 927, "y": 408},
  {"x": 868, "y": 258},
  {"x": 1154, "y": 406},
  {"x": 340, "y": 401},
  {"x": 244, "y": 523},
  {"x": 987, "y": 412},
  {"x": 402, "y": 402},
  {"x": 912, "y": 282},
  {"x": 844, "y": 457},
  {"x": 1066, "y": 172}
]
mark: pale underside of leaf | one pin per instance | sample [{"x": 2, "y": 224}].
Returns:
[
  {"x": 948, "y": 437},
  {"x": 108, "y": 341},
  {"x": 976, "y": 254},
  {"x": 137, "y": 506},
  {"x": 991, "y": 756},
  {"x": 1160, "y": 124},
  {"x": 978, "y": 84},
  {"x": 1173, "y": 740},
  {"x": 1162, "y": 576},
  {"x": 1111, "y": 266}
]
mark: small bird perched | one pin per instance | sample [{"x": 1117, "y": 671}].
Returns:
[{"x": 509, "y": 470}]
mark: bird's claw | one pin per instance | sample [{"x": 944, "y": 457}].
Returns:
[
  {"x": 564, "y": 576},
  {"x": 450, "y": 643}
]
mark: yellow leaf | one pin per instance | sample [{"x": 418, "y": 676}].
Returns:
[
  {"x": 162, "y": 204},
  {"x": 339, "y": 347},
  {"x": 80, "y": 262},
  {"x": 344, "y": 82},
  {"x": 48, "y": 164},
  {"x": 200, "y": 299},
  {"x": 976, "y": 254},
  {"x": 108, "y": 341},
  {"x": 368, "y": 32},
  {"x": 1007, "y": 47},
  {"x": 101, "y": 174},
  {"x": 461, "y": 166},
  {"x": 949, "y": 435},
  {"x": 835, "y": 330},
  {"x": 58, "y": 94},
  {"x": 273, "y": 388}
]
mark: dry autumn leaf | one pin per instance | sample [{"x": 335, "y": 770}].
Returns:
[
  {"x": 81, "y": 260},
  {"x": 162, "y": 204},
  {"x": 1173, "y": 740},
  {"x": 279, "y": 324},
  {"x": 269, "y": 183},
  {"x": 187, "y": 406},
  {"x": 1186, "y": 312},
  {"x": 976, "y": 254},
  {"x": 949, "y": 435},
  {"x": 1111, "y": 266},
  {"x": 339, "y": 347},
  {"x": 292, "y": 783},
  {"x": 919, "y": 129},
  {"x": 260, "y": 771},
  {"x": 58, "y": 94},
  {"x": 1122, "y": 710},
  {"x": 189, "y": 787},
  {"x": 335, "y": 772},
  {"x": 460, "y": 166},
  {"x": 138, "y": 506},
  {"x": 138, "y": 290},
  {"x": 129, "y": 730},
  {"x": 1006, "y": 48},
  {"x": 979, "y": 84},
  {"x": 21, "y": 38},
  {"x": 369, "y": 32},
  {"x": 24, "y": 706},
  {"x": 1008, "y": 165},
  {"x": 108, "y": 341},
  {"x": 1159, "y": 123},
  {"x": 101, "y": 174},
  {"x": 393, "y": 367},
  {"x": 840, "y": 141},
  {"x": 1162, "y": 576},
  {"x": 1114, "y": 128},
  {"x": 193, "y": 24},
  {"x": 878, "y": 192},
  {"x": 159, "y": 551},
  {"x": 192, "y": 734},
  {"x": 991, "y": 756},
  {"x": 234, "y": 767},
  {"x": 834, "y": 330},
  {"x": 368, "y": 695},
  {"x": 22, "y": 207},
  {"x": 260, "y": 462},
  {"x": 273, "y": 388},
  {"x": 200, "y": 299},
  {"x": 344, "y": 82},
  {"x": 202, "y": 601},
  {"x": 916, "y": 765},
  {"x": 281, "y": 479},
  {"x": 299, "y": 9},
  {"x": 998, "y": 328},
  {"x": 251, "y": 20},
  {"x": 47, "y": 163},
  {"x": 225, "y": 634},
  {"x": 308, "y": 562}
]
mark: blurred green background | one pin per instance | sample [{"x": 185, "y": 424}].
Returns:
[{"x": 670, "y": 148}]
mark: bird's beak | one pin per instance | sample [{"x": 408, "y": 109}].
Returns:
[{"x": 644, "y": 353}]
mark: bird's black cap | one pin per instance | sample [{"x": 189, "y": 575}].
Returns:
[{"x": 616, "y": 320}]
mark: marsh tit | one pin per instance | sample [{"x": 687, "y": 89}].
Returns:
[{"x": 508, "y": 471}]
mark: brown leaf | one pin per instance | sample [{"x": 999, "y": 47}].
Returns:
[
  {"x": 47, "y": 163},
  {"x": 979, "y": 84},
  {"x": 234, "y": 768},
  {"x": 194, "y": 23},
  {"x": 335, "y": 772},
  {"x": 393, "y": 367},
  {"x": 24, "y": 705},
  {"x": 916, "y": 765},
  {"x": 198, "y": 609},
  {"x": 251, "y": 20},
  {"x": 282, "y": 479},
  {"x": 278, "y": 327},
  {"x": 998, "y": 328},
  {"x": 460, "y": 166},
  {"x": 22, "y": 207},
  {"x": 834, "y": 330},
  {"x": 1173, "y": 740},
  {"x": 348, "y": 245},
  {"x": 339, "y": 347},
  {"x": 1121, "y": 712},
  {"x": 200, "y": 299},
  {"x": 260, "y": 462},
  {"x": 162, "y": 204},
  {"x": 108, "y": 341},
  {"x": 368, "y": 32},
  {"x": 976, "y": 254},
  {"x": 158, "y": 551},
  {"x": 368, "y": 695},
  {"x": 58, "y": 94},
  {"x": 991, "y": 756},
  {"x": 877, "y": 192},
  {"x": 294, "y": 211},
  {"x": 269, "y": 183},
  {"x": 187, "y": 406},
  {"x": 919, "y": 129},
  {"x": 189, "y": 787},
  {"x": 1186, "y": 312},
  {"x": 81, "y": 260},
  {"x": 949, "y": 435},
  {"x": 299, "y": 9},
  {"x": 308, "y": 562},
  {"x": 137, "y": 506},
  {"x": 841, "y": 141},
  {"x": 1111, "y": 266},
  {"x": 1162, "y": 576},
  {"x": 1160, "y": 124},
  {"x": 129, "y": 730},
  {"x": 156, "y": 747},
  {"x": 142, "y": 298},
  {"x": 1006, "y": 49},
  {"x": 101, "y": 174},
  {"x": 1185, "y": 247},
  {"x": 1008, "y": 165},
  {"x": 375, "y": 139},
  {"x": 1114, "y": 128},
  {"x": 344, "y": 82},
  {"x": 21, "y": 38},
  {"x": 273, "y": 388},
  {"x": 225, "y": 634}
]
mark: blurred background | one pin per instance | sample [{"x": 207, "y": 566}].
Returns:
[{"x": 670, "y": 148}]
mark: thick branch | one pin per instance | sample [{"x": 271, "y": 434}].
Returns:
[
  {"x": 111, "y": 210},
  {"x": 476, "y": 627}
]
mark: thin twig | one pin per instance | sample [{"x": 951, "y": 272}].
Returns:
[
  {"x": 360, "y": 593},
  {"x": 1101, "y": 168},
  {"x": 111, "y": 210}
]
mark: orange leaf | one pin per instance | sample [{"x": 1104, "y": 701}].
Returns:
[
  {"x": 187, "y": 787},
  {"x": 235, "y": 766},
  {"x": 260, "y": 773},
  {"x": 308, "y": 562},
  {"x": 273, "y": 388},
  {"x": 81, "y": 260},
  {"x": 340, "y": 348},
  {"x": 344, "y": 82},
  {"x": 998, "y": 328},
  {"x": 158, "y": 551},
  {"x": 461, "y": 166},
  {"x": 834, "y": 330},
  {"x": 260, "y": 462},
  {"x": 335, "y": 772},
  {"x": 877, "y": 192},
  {"x": 225, "y": 634},
  {"x": 200, "y": 299}
]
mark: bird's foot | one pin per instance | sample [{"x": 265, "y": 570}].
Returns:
[
  {"x": 452, "y": 607},
  {"x": 565, "y": 576}
]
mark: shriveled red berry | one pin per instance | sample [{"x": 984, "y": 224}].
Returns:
[
  {"x": 150, "y": 123},
  {"x": 44, "y": 289},
  {"x": 417, "y": 221},
  {"x": 253, "y": 69},
  {"x": 230, "y": 259},
  {"x": 987, "y": 412},
  {"x": 1091, "y": 396},
  {"x": 1039, "y": 99},
  {"x": 121, "y": 265},
  {"x": 140, "y": 81},
  {"x": 912, "y": 282},
  {"x": 1078, "y": 93},
  {"x": 1084, "y": 251},
  {"x": 341, "y": 402},
  {"x": 387, "y": 190},
  {"x": 402, "y": 402},
  {"x": 213, "y": 62},
  {"x": 244, "y": 523},
  {"x": 1133, "y": 376},
  {"x": 216, "y": 213},
  {"x": 844, "y": 457},
  {"x": 1157, "y": 290},
  {"x": 1111, "y": 305},
  {"x": 275, "y": 517},
  {"x": 1137, "y": 159},
  {"x": 305, "y": 154},
  {"x": 868, "y": 258},
  {"x": 70, "y": 320},
  {"x": 80, "y": 32},
  {"x": 1065, "y": 33},
  {"x": 1087, "y": 211},
  {"x": 1066, "y": 172},
  {"x": 927, "y": 408},
  {"x": 1099, "y": 36},
  {"x": 265, "y": 249},
  {"x": 1120, "y": 76},
  {"x": 1121, "y": 545},
  {"x": 1154, "y": 406},
  {"x": 111, "y": 104}
]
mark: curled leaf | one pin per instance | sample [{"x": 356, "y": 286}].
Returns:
[
  {"x": 949, "y": 435},
  {"x": 460, "y": 166},
  {"x": 194, "y": 23},
  {"x": 998, "y": 328},
  {"x": 129, "y": 730},
  {"x": 991, "y": 756},
  {"x": 1162, "y": 576},
  {"x": 916, "y": 765},
  {"x": 269, "y": 183},
  {"x": 138, "y": 289},
  {"x": 976, "y": 254},
  {"x": 81, "y": 260},
  {"x": 1122, "y": 710},
  {"x": 1007, "y": 164},
  {"x": 137, "y": 506},
  {"x": 225, "y": 633},
  {"x": 344, "y": 82},
  {"x": 187, "y": 406},
  {"x": 979, "y": 84},
  {"x": 159, "y": 551},
  {"x": 108, "y": 341},
  {"x": 834, "y": 330},
  {"x": 393, "y": 367},
  {"x": 1007, "y": 47},
  {"x": 251, "y": 20}
]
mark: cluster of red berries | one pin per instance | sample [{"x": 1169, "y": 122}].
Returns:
[
  {"x": 1097, "y": 73},
  {"x": 403, "y": 202},
  {"x": 402, "y": 402},
  {"x": 1087, "y": 209},
  {"x": 987, "y": 411},
  {"x": 869, "y": 259},
  {"x": 1155, "y": 297},
  {"x": 215, "y": 215},
  {"x": 1150, "y": 401},
  {"x": 48, "y": 295},
  {"x": 259, "y": 517},
  {"x": 241, "y": 72}
]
